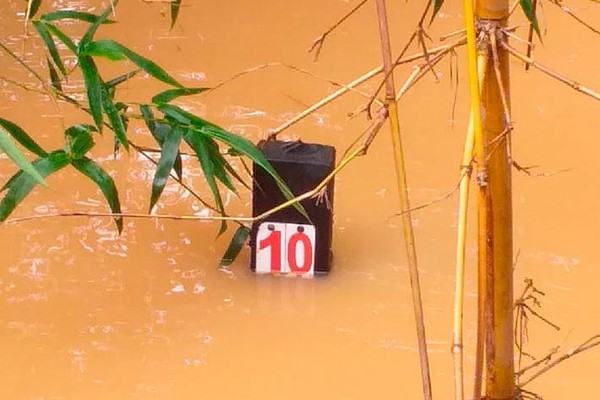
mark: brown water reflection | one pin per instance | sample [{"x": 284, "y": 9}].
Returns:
[{"x": 88, "y": 314}]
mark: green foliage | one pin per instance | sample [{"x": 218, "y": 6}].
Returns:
[
  {"x": 106, "y": 184},
  {"x": 170, "y": 129},
  {"x": 168, "y": 154},
  {"x": 175, "y": 5},
  {"x": 32, "y": 7},
  {"x": 7, "y": 146},
  {"x": 240, "y": 237},
  {"x": 437, "y": 6},
  {"x": 22, "y": 184},
  {"x": 530, "y": 13}
]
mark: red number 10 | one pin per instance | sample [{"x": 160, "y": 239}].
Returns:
[{"x": 293, "y": 236}]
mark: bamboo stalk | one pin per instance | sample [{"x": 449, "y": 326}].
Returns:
[
  {"x": 404, "y": 199},
  {"x": 496, "y": 253},
  {"x": 466, "y": 169},
  {"x": 480, "y": 158}
]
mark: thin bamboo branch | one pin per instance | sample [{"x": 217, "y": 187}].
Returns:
[
  {"x": 318, "y": 43},
  {"x": 466, "y": 169},
  {"x": 23, "y": 63},
  {"x": 587, "y": 345},
  {"x": 569, "y": 82},
  {"x": 416, "y": 32},
  {"x": 404, "y": 199},
  {"x": 344, "y": 89},
  {"x": 287, "y": 66},
  {"x": 311, "y": 193},
  {"x": 569, "y": 12}
]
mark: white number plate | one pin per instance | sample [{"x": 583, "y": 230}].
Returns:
[{"x": 285, "y": 248}]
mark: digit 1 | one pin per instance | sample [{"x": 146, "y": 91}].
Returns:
[
  {"x": 274, "y": 241},
  {"x": 291, "y": 251}
]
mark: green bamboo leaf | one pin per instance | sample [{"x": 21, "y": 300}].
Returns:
[
  {"x": 437, "y": 5},
  {"x": 110, "y": 48},
  {"x": 11, "y": 181},
  {"x": 159, "y": 130},
  {"x": 220, "y": 164},
  {"x": 103, "y": 48},
  {"x": 121, "y": 79},
  {"x": 11, "y": 150},
  {"x": 50, "y": 45},
  {"x": 106, "y": 184},
  {"x": 93, "y": 87},
  {"x": 22, "y": 137},
  {"x": 240, "y": 144},
  {"x": 175, "y": 5},
  {"x": 115, "y": 118},
  {"x": 530, "y": 13},
  {"x": 54, "y": 78},
  {"x": 199, "y": 144},
  {"x": 168, "y": 155},
  {"x": 60, "y": 35},
  {"x": 72, "y": 14},
  {"x": 89, "y": 34},
  {"x": 80, "y": 140},
  {"x": 240, "y": 237},
  {"x": 23, "y": 184},
  {"x": 171, "y": 94},
  {"x": 32, "y": 7}
]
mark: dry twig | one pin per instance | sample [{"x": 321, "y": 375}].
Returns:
[
  {"x": 317, "y": 45},
  {"x": 569, "y": 82}
]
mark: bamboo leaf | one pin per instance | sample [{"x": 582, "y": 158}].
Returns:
[
  {"x": 121, "y": 79},
  {"x": 22, "y": 137},
  {"x": 240, "y": 237},
  {"x": 60, "y": 35},
  {"x": 89, "y": 34},
  {"x": 10, "y": 182},
  {"x": 171, "y": 94},
  {"x": 54, "y": 78},
  {"x": 437, "y": 5},
  {"x": 530, "y": 13},
  {"x": 93, "y": 87},
  {"x": 72, "y": 14},
  {"x": 238, "y": 143},
  {"x": 50, "y": 45},
  {"x": 80, "y": 140},
  {"x": 33, "y": 7},
  {"x": 103, "y": 48},
  {"x": 159, "y": 130},
  {"x": 106, "y": 184},
  {"x": 115, "y": 118},
  {"x": 22, "y": 185},
  {"x": 175, "y": 6},
  {"x": 221, "y": 165},
  {"x": 199, "y": 144},
  {"x": 170, "y": 149},
  {"x": 110, "y": 48},
  {"x": 11, "y": 150}
]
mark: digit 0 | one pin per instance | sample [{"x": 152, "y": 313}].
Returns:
[
  {"x": 299, "y": 237},
  {"x": 274, "y": 241}
]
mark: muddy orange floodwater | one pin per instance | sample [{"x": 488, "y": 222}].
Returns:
[{"x": 88, "y": 314}]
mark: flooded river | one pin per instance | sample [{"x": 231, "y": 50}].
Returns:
[{"x": 88, "y": 314}]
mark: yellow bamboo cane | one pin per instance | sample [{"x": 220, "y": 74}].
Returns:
[
  {"x": 466, "y": 169},
  {"x": 409, "y": 240}
]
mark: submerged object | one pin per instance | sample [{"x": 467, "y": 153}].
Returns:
[{"x": 286, "y": 242}]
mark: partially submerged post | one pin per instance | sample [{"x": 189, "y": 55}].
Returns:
[{"x": 286, "y": 242}]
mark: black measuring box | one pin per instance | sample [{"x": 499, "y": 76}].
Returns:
[{"x": 285, "y": 241}]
